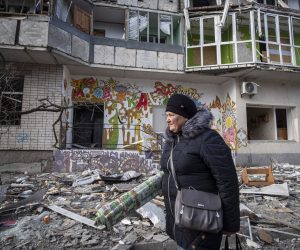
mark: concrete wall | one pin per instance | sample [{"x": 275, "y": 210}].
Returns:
[
  {"x": 165, "y": 5},
  {"x": 33, "y": 31},
  {"x": 35, "y": 131},
  {"x": 120, "y": 56},
  {"x": 273, "y": 93},
  {"x": 8, "y": 31},
  {"x": 112, "y": 30},
  {"x": 114, "y": 52}
]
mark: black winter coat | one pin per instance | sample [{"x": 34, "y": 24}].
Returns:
[{"x": 202, "y": 160}]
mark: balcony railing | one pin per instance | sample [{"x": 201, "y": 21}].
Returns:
[{"x": 249, "y": 37}]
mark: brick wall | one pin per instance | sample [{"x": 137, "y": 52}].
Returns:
[{"x": 35, "y": 131}]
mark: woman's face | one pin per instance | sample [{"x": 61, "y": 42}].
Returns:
[{"x": 175, "y": 122}]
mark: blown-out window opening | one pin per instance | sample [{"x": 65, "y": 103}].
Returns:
[{"x": 246, "y": 37}]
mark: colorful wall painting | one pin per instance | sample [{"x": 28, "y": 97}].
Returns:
[
  {"x": 229, "y": 123},
  {"x": 128, "y": 111},
  {"x": 215, "y": 107},
  {"x": 107, "y": 161},
  {"x": 241, "y": 137}
]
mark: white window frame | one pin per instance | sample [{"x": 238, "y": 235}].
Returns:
[
  {"x": 253, "y": 13},
  {"x": 158, "y": 26},
  {"x": 292, "y": 126}
]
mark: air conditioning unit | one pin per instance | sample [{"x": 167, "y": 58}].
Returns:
[{"x": 249, "y": 88}]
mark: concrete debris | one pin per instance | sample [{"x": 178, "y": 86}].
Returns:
[
  {"x": 252, "y": 244},
  {"x": 161, "y": 237},
  {"x": 270, "y": 214},
  {"x": 264, "y": 236},
  {"x": 274, "y": 189},
  {"x": 3, "y": 190},
  {"x": 154, "y": 213}
]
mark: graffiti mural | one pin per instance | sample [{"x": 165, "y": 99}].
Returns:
[
  {"x": 229, "y": 123},
  {"x": 22, "y": 137},
  {"x": 128, "y": 109},
  {"x": 241, "y": 137},
  {"x": 107, "y": 161},
  {"x": 216, "y": 109}
]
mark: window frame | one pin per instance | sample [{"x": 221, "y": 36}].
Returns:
[
  {"x": 285, "y": 51},
  {"x": 158, "y": 26},
  {"x": 289, "y": 117},
  {"x": 8, "y": 93}
]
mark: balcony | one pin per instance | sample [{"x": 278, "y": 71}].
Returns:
[{"x": 248, "y": 38}]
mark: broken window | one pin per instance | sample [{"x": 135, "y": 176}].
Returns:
[
  {"x": 209, "y": 50},
  {"x": 268, "y": 2},
  {"x": 165, "y": 29},
  {"x": 243, "y": 37},
  {"x": 11, "y": 96},
  {"x": 109, "y": 22},
  {"x": 154, "y": 28},
  {"x": 25, "y": 7},
  {"x": 227, "y": 45},
  {"x": 275, "y": 39},
  {"x": 88, "y": 126},
  {"x": 199, "y": 3},
  {"x": 260, "y": 37},
  {"x": 267, "y": 123}
]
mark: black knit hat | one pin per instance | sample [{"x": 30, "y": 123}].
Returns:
[{"x": 181, "y": 105}]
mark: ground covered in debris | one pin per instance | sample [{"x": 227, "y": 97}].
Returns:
[{"x": 30, "y": 217}]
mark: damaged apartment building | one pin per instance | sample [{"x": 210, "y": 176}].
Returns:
[{"x": 85, "y": 82}]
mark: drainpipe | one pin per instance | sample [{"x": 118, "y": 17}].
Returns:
[
  {"x": 283, "y": 4},
  {"x": 186, "y": 15},
  {"x": 258, "y": 23},
  {"x": 225, "y": 12}
]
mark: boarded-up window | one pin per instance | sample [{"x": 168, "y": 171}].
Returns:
[{"x": 82, "y": 20}]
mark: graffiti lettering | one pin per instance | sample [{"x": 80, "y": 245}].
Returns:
[{"x": 22, "y": 137}]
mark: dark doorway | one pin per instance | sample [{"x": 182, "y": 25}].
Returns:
[{"x": 88, "y": 126}]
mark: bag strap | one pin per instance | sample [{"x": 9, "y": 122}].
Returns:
[
  {"x": 226, "y": 247},
  {"x": 238, "y": 244},
  {"x": 172, "y": 168}
]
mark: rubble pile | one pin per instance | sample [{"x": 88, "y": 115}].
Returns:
[
  {"x": 273, "y": 210},
  {"x": 27, "y": 219},
  {"x": 58, "y": 211}
]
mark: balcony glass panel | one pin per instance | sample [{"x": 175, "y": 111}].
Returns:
[
  {"x": 297, "y": 56},
  {"x": 133, "y": 25},
  {"x": 226, "y": 31},
  {"x": 258, "y": 36},
  {"x": 165, "y": 27},
  {"x": 176, "y": 30},
  {"x": 227, "y": 53},
  {"x": 272, "y": 35},
  {"x": 143, "y": 26},
  {"x": 208, "y": 30},
  {"x": 244, "y": 52},
  {"x": 296, "y": 31},
  {"x": 194, "y": 34},
  {"x": 261, "y": 52},
  {"x": 243, "y": 27},
  {"x": 274, "y": 53},
  {"x": 153, "y": 27},
  {"x": 286, "y": 54},
  {"x": 284, "y": 30},
  {"x": 210, "y": 55},
  {"x": 193, "y": 57}
]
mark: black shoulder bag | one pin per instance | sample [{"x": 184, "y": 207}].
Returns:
[{"x": 197, "y": 210}]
